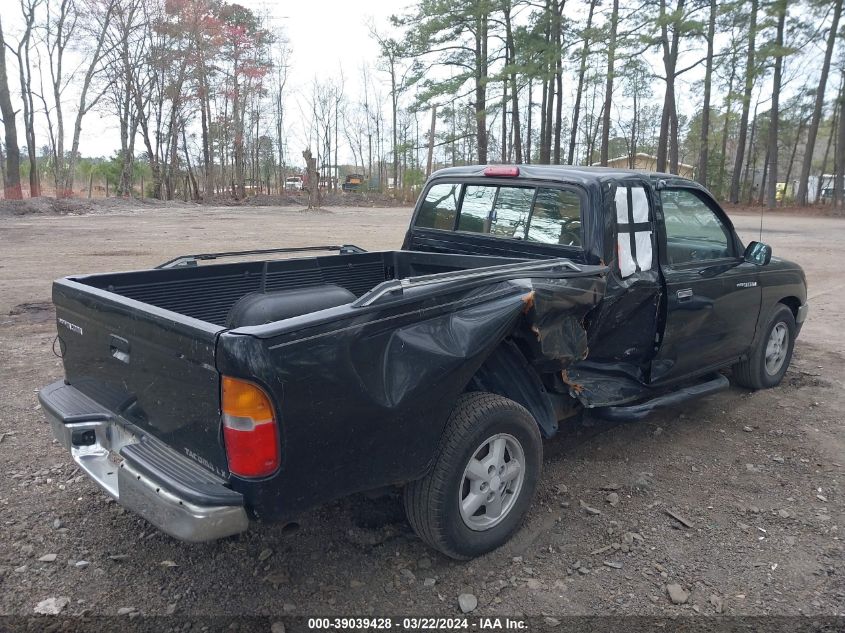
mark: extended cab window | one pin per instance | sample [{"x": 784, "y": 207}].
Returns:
[
  {"x": 536, "y": 214},
  {"x": 693, "y": 230},
  {"x": 440, "y": 207}
]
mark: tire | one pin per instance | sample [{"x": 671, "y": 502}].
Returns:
[
  {"x": 767, "y": 362},
  {"x": 479, "y": 422}
]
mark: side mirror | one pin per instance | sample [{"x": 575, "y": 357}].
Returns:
[{"x": 758, "y": 253}]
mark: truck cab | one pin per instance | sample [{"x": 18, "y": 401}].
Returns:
[{"x": 684, "y": 298}]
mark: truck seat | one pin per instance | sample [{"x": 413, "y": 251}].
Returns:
[{"x": 257, "y": 308}]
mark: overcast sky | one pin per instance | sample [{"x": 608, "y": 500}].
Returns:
[{"x": 326, "y": 37}]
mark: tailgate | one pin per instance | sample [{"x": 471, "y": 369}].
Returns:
[{"x": 151, "y": 366}]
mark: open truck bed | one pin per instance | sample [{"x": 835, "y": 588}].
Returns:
[{"x": 144, "y": 353}]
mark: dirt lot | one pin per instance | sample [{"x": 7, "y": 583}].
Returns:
[{"x": 759, "y": 476}]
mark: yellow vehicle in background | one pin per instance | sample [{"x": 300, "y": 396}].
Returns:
[{"x": 353, "y": 182}]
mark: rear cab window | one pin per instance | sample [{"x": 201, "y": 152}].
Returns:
[
  {"x": 543, "y": 214},
  {"x": 440, "y": 207}
]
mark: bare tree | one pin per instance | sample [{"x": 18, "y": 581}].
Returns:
[
  {"x": 774, "y": 113},
  {"x": 608, "y": 90},
  {"x": 813, "y": 130},
  {"x": 22, "y": 52},
  {"x": 839, "y": 175},
  {"x": 750, "y": 73},
  {"x": 391, "y": 52},
  {"x": 582, "y": 69},
  {"x": 58, "y": 32},
  {"x": 704, "y": 150},
  {"x": 100, "y": 19},
  {"x": 12, "y": 173},
  {"x": 510, "y": 46}
]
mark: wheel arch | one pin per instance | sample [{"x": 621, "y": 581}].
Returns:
[
  {"x": 791, "y": 302},
  {"x": 506, "y": 372}
]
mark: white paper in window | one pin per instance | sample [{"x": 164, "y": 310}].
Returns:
[
  {"x": 643, "y": 238},
  {"x": 627, "y": 266}
]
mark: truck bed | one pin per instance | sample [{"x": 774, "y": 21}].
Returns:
[
  {"x": 149, "y": 348},
  {"x": 144, "y": 344},
  {"x": 207, "y": 293}
]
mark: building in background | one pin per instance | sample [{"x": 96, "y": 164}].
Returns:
[{"x": 645, "y": 162}]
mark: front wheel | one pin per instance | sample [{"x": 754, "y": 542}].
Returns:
[
  {"x": 769, "y": 358},
  {"x": 480, "y": 488}
]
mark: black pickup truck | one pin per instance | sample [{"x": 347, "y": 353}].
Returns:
[{"x": 206, "y": 396}]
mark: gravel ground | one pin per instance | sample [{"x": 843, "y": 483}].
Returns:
[{"x": 756, "y": 477}]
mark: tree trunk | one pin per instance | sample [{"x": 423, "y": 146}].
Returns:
[
  {"x": 667, "y": 144},
  {"x": 591, "y": 144},
  {"x": 548, "y": 111},
  {"x": 558, "y": 81},
  {"x": 25, "y": 76},
  {"x": 511, "y": 48},
  {"x": 632, "y": 146},
  {"x": 582, "y": 71},
  {"x": 145, "y": 134},
  {"x": 725, "y": 127},
  {"x": 430, "y": 161},
  {"x": 541, "y": 155},
  {"x": 504, "y": 144},
  {"x": 608, "y": 90},
  {"x": 801, "y": 122},
  {"x": 12, "y": 174},
  {"x": 753, "y": 153},
  {"x": 774, "y": 116},
  {"x": 704, "y": 149},
  {"x": 548, "y": 115},
  {"x": 208, "y": 163},
  {"x": 674, "y": 145},
  {"x": 191, "y": 179},
  {"x": 125, "y": 114},
  {"x": 813, "y": 130},
  {"x": 313, "y": 180},
  {"x": 833, "y": 128},
  {"x": 829, "y": 144},
  {"x": 238, "y": 146},
  {"x": 481, "y": 61},
  {"x": 839, "y": 174},
  {"x": 746, "y": 105},
  {"x": 83, "y": 105}
]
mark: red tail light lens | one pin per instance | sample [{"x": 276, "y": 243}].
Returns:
[
  {"x": 250, "y": 432},
  {"x": 501, "y": 171}
]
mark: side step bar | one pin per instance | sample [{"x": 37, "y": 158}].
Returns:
[{"x": 635, "y": 412}]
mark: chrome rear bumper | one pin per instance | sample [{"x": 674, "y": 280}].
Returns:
[{"x": 95, "y": 444}]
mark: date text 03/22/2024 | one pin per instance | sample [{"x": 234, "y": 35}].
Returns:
[{"x": 419, "y": 623}]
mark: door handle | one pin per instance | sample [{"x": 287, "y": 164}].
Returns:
[
  {"x": 685, "y": 294},
  {"x": 119, "y": 348}
]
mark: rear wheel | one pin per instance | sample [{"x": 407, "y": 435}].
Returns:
[
  {"x": 481, "y": 485},
  {"x": 769, "y": 358}
]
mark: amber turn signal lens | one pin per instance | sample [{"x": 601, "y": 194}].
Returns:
[
  {"x": 250, "y": 432},
  {"x": 243, "y": 399}
]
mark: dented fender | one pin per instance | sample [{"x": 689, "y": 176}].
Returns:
[{"x": 362, "y": 399}]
